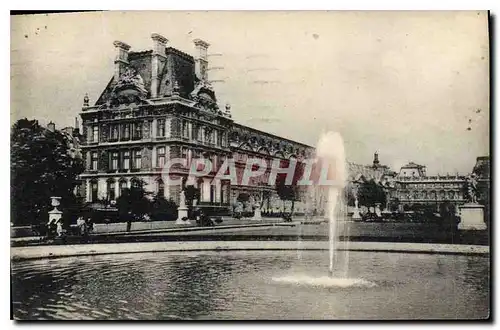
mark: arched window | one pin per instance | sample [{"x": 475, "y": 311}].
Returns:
[
  {"x": 123, "y": 186},
  {"x": 111, "y": 189},
  {"x": 94, "y": 190},
  {"x": 161, "y": 188}
]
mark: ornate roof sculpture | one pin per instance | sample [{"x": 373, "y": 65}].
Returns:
[
  {"x": 128, "y": 89},
  {"x": 204, "y": 96}
]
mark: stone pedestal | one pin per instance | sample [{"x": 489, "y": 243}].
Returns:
[
  {"x": 378, "y": 212},
  {"x": 55, "y": 215},
  {"x": 472, "y": 217},
  {"x": 257, "y": 216},
  {"x": 356, "y": 215},
  {"x": 182, "y": 212}
]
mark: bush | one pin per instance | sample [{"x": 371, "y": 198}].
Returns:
[{"x": 163, "y": 209}]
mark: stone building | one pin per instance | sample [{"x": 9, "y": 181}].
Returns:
[
  {"x": 159, "y": 105},
  {"x": 411, "y": 185},
  {"x": 414, "y": 186}
]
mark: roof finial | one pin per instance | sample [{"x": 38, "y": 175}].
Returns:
[
  {"x": 86, "y": 100},
  {"x": 176, "y": 88}
]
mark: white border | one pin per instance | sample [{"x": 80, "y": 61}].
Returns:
[{"x": 204, "y": 5}]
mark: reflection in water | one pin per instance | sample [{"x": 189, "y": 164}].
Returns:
[{"x": 239, "y": 285}]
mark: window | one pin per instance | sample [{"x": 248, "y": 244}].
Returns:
[
  {"x": 137, "y": 159},
  {"x": 126, "y": 132},
  {"x": 126, "y": 160},
  {"x": 219, "y": 138},
  {"x": 114, "y": 160},
  {"x": 123, "y": 186},
  {"x": 212, "y": 193},
  {"x": 196, "y": 131},
  {"x": 199, "y": 134},
  {"x": 137, "y": 131},
  {"x": 114, "y": 132},
  {"x": 160, "y": 154},
  {"x": 209, "y": 136},
  {"x": 161, "y": 128},
  {"x": 184, "y": 129},
  {"x": 94, "y": 191},
  {"x": 161, "y": 188},
  {"x": 184, "y": 153},
  {"x": 94, "y": 160},
  {"x": 111, "y": 190},
  {"x": 95, "y": 133}
]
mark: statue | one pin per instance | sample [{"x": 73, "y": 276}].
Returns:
[
  {"x": 471, "y": 183},
  {"x": 182, "y": 196}
]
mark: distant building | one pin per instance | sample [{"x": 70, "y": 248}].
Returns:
[{"x": 412, "y": 170}]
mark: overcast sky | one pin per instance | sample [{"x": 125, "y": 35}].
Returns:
[{"x": 405, "y": 84}]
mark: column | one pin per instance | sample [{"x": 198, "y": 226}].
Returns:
[
  {"x": 88, "y": 190},
  {"x": 217, "y": 191},
  {"x": 117, "y": 188},
  {"x": 154, "y": 128},
  {"x": 168, "y": 127},
  {"x": 206, "y": 190},
  {"x": 153, "y": 158},
  {"x": 190, "y": 130}
]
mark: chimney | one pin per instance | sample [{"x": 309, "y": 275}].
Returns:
[
  {"x": 159, "y": 45},
  {"x": 77, "y": 127},
  {"x": 375, "y": 160},
  {"x": 121, "y": 60},
  {"x": 51, "y": 126},
  {"x": 201, "y": 59}
]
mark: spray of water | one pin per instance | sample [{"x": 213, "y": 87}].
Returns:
[{"x": 330, "y": 150}]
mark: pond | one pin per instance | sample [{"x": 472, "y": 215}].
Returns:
[{"x": 247, "y": 285}]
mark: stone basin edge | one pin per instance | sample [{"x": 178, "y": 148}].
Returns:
[{"x": 60, "y": 251}]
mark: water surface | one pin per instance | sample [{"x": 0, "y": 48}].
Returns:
[{"x": 240, "y": 285}]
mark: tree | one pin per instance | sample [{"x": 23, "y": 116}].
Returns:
[
  {"x": 41, "y": 167},
  {"x": 286, "y": 192},
  {"x": 133, "y": 203},
  {"x": 370, "y": 193},
  {"x": 290, "y": 192},
  {"x": 192, "y": 193}
]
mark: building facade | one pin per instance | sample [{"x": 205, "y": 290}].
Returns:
[{"x": 159, "y": 105}]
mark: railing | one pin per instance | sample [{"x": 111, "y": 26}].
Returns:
[{"x": 432, "y": 178}]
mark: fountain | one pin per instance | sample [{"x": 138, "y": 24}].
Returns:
[{"x": 330, "y": 151}]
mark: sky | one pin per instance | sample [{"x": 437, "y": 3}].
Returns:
[{"x": 407, "y": 85}]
